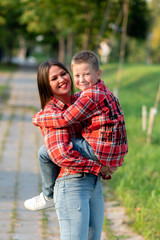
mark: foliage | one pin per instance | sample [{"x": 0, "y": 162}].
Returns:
[
  {"x": 135, "y": 50},
  {"x": 58, "y": 19},
  {"x": 137, "y": 181},
  {"x": 154, "y": 36},
  {"x": 9, "y": 24},
  {"x": 139, "y": 18}
]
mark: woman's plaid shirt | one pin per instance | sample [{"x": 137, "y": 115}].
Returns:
[
  {"x": 103, "y": 122},
  {"x": 59, "y": 146}
]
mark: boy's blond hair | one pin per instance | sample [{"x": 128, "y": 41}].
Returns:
[{"x": 86, "y": 57}]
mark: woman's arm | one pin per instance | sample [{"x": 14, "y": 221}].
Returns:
[
  {"x": 82, "y": 109},
  {"x": 63, "y": 155}
]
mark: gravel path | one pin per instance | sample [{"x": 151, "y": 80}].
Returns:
[{"x": 19, "y": 170}]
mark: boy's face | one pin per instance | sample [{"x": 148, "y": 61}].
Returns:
[{"x": 85, "y": 76}]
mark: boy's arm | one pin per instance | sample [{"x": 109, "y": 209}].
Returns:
[
  {"x": 82, "y": 109},
  {"x": 64, "y": 156}
]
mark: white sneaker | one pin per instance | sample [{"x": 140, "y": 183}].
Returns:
[{"x": 38, "y": 203}]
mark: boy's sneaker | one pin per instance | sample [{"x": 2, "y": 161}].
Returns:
[{"x": 38, "y": 203}]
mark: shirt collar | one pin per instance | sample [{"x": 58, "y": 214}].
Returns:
[{"x": 58, "y": 103}]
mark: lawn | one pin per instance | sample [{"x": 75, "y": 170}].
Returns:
[
  {"x": 5, "y": 68},
  {"x": 137, "y": 182}
]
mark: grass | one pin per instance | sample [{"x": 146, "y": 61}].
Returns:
[
  {"x": 4, "y": 67},
  {"x": 4, "y": 88},
  {"x": 137, "y": 182},
  {"x": 106, "y": 227}
]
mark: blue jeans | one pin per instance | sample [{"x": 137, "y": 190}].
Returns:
[
  {"x": 49, "y": 170},
  {"x": 83, "y": 147},
  {"x": 80, "y": 206}
]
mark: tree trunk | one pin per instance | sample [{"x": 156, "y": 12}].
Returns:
[
  {"x": 69, "y": 50},
  {"x": 85, "y": 43},
  {"x": 86, "y": 39},
  {"x": 123, "y": 42},
  {"x": 61, "y": 50},
  {"x": 104, "y": 22}
]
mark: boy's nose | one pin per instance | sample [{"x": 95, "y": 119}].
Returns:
[{"x": 82, "y": 78}]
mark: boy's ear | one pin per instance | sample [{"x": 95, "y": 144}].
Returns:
[{"x": 99, "y": 74}]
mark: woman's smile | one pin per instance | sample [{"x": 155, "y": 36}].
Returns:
[{"x": 60, "y": 82}]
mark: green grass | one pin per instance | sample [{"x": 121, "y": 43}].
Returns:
[
  {"x": 4, "y": 67},
  {"x": 106, "y": 227},
  {"x": 137, "y": 182},
  {"x": 4, "y": 88}
]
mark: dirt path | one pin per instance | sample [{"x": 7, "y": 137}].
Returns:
[
  {"x": 119, "y": 221},
  {"x": 19, "y": 170}
]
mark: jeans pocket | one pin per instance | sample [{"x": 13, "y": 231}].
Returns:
[
  {"x": 77, "y": 176},
  {"x": 56, "y": 190}
]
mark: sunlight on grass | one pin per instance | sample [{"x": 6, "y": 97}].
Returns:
[{"x": 137, "y": 182}]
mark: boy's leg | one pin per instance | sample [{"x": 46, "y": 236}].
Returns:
[
  {"x": 49, "y": 172},
  {"x": 83, "y": 147}
]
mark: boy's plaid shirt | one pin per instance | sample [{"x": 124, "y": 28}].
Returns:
[
  {"x": 103, "y": 122},
  {"x": 59, "y": 146}
]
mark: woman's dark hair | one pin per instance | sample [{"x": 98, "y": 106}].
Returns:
[{"x": 45, "y": 91}]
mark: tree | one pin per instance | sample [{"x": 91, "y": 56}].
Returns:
[
  {"x": 139, "y": 19},
  {"x": 9, "y": 26},
  {"x": 65, "y": 20},
  {"x": 66, "y": 25},
  {"x": 154, "y": 35}
]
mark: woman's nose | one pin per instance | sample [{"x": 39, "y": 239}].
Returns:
[{"x": 60, "y": 78}]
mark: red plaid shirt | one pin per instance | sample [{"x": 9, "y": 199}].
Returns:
[
  {"x": 103, "y": 122},
  {"x": 59, "y": 146}
]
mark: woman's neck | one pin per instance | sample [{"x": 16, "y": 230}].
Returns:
[{"x": 66, "y": 99}]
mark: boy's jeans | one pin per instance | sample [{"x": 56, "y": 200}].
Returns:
[
  {"x": 49, "y": 170},
  {"x": 83, "y": 147}
]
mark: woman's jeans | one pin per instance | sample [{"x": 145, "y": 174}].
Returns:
[
  {"x": 49, "y": 170},
  {"x": 80, "y": 206}
]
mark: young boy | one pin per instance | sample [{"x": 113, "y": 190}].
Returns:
[{"x": 104, "y": 133}]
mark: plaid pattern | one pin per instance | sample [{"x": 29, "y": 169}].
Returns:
[
  {"x": 57, "y": 141},
  {"x": 103, "y": 122}
]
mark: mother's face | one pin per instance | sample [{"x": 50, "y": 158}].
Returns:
[{"x": 59, "y": 81}]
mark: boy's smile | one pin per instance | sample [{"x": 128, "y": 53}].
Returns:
[{"x": 85, "y": 75}]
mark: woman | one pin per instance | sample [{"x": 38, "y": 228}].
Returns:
[{"x": 78, "y": 194}]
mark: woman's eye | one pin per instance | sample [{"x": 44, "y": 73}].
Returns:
[
  {"x": 53, "y": 79},
  {"x": 63, "y": 74}
]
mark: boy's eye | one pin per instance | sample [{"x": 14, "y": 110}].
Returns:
[
  {"x": 76, "y": 76},
  {"x": 87, "y": 74}
]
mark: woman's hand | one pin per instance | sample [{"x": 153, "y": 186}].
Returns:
[{"x": 108, "y": 170}]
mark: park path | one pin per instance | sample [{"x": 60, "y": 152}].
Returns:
[{"x": 19, "y": 170}]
